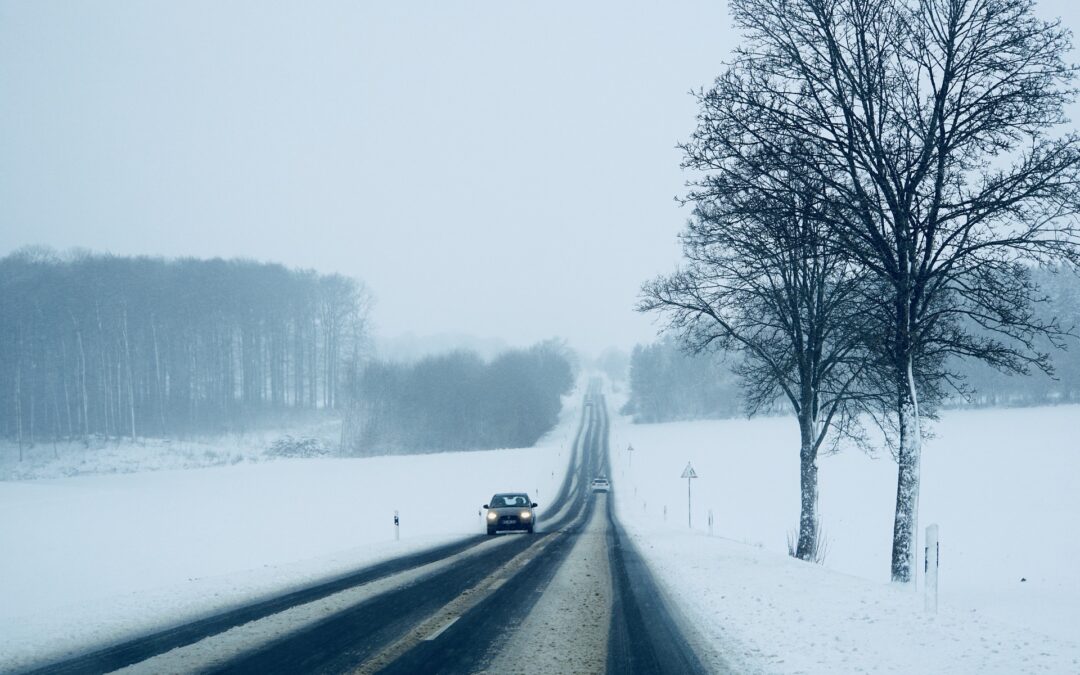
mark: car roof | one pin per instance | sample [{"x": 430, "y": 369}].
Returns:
[{"x": 510, "y": 494}]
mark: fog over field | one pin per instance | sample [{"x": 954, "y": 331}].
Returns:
[{"x": 293, "y": 295}]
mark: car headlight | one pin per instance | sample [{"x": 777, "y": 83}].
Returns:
[
  {"x": 525, "y": 515},
  {"x": 492, "y": 515}
]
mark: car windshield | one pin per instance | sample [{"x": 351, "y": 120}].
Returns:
[{"x": 501, "y": 501}]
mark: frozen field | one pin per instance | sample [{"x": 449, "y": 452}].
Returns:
[{"x": 997, "y": 482}]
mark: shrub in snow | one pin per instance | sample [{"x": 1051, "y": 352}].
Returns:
[
  {"x": 819, "y": 549},
  {"x": 287, "y": 446}
]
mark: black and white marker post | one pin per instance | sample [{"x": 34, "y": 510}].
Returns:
[
  {"x": 931, "y": 560},
  {"x": 689, "y": 474},
  {"x": 397, "y": 526}
]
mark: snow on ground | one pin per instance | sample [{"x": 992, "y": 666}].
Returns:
[
  {"x": 92, "y": 559},
  {"x": 97, "y": 455},
  {"x": 999, "y": 483}
]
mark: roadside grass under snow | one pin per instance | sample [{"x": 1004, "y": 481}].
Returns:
[
  {"x": 999, "y": 483},
  {"x": 94, "y": 559}
]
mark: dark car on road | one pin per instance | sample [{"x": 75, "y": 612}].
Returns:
[{"x": 510, "y": 511}]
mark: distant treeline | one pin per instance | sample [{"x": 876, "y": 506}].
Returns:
[
  {"x": 122, "y": 346},
  {"x": 458, "y": 401},
  {"x": 976, "y": 384},
  {"x": 983, "y": 386},
  {"x": 667, "y": 384}
]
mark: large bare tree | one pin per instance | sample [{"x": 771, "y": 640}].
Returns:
[
  {"x": 932, "y": 123},
  {"x": 762, "y": 280}
]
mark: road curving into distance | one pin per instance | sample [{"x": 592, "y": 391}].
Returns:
[{"x": 574, "y": 597}]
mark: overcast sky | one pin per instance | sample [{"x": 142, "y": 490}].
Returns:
[{"x": 501, "y": 169}]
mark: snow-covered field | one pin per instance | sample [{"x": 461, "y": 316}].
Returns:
[
  {"x": 999, "y": 483},
  {"x": 98, "y": 456},
  {"x": 95, "y": 558}
]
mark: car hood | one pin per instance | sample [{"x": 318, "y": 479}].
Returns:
[{"x": 510, "y": 510}]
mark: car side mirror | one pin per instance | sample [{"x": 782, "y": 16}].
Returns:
[
  {"x": 535, "y": 505},
  {"x": 486, "y": 506}
]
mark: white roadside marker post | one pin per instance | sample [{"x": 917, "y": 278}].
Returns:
[
  {"x": 710, "y": 523},
  {"x": 689, "y": 474},
  {"x": 931, "y": 560},
  {"x": 629, "y": 456},
  {"x": 397, "y": 526}
]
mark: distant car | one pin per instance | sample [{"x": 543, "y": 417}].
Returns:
[
  {"x": 601, "y": 484},
  {"x": 510, "y": 511}
]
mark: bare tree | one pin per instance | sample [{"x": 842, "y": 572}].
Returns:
[
  {"x": 344, "y": 304},
  {"x": 930, "y": 123},
  {"x": 762, "y": 279}
]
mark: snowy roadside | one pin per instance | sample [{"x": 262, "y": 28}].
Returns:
[
  {"x": 95, "y": 559},
  {"x": 763, "y": 611},
  {"x": 97, "y": 456}
]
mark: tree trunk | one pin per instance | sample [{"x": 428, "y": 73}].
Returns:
[
  {"x": 103, "y": 377},
  {"x": 64, "y": 383},
  {"x": 808, "y": 517},
  {"x": 118, "y": 415},
  {"x": 56, "y": 420},
  {"x": 130, "y": 376},
  {"x": 82, "y": 381},
  {"x": 159, "y": 391},
  {"x": 905, "y": 526},
  {"x": 33, "y": 402},
  {"x": 18, "y": 399}
]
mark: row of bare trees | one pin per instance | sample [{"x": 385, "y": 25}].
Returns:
[
  {"x": 874, "y": 182},
  {"x": 668, "y": 384},
  {"x": 457, "y": 401},
  {"x": 120, "y": 346}
]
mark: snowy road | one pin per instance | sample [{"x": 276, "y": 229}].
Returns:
[{"x": 574, "y": 597}]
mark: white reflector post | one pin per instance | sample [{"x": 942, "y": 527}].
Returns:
[{"x": 930, "y": 564}]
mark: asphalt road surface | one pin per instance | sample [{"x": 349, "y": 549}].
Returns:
[{"x": 575, "y": 597}]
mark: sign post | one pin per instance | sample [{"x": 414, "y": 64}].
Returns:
[
  {"x": 931, "y": 558},
  {"x": 689, "y": 474}
]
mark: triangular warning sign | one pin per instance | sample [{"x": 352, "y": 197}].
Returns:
[{"x": 689, "y": 472}]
